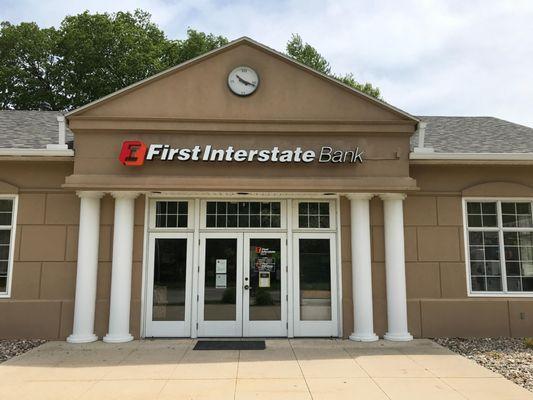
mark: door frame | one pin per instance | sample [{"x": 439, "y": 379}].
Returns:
[
  {"x": 265, "y": 328},
  {"x": 315, "y": 328},
  {"x": 168, "y": 328},
  {"x": 220, "y": 328},
  {"x": 197, "y": 215}
]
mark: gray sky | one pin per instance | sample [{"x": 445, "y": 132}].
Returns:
[{"x": 451, "y": 57}]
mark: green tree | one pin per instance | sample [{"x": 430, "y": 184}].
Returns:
[
  {"x": 28, "y": 73},
  {"x": 308, "y": 55},
  {"x": 87, "y": 57},
  {"x": 101, "y": 53},
  {"x": 195, "y": 44}
]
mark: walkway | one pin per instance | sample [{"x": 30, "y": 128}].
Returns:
[{"x": 287, "y": 369}]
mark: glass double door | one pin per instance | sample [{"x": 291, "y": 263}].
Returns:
[{"x": 242, "y": 285}]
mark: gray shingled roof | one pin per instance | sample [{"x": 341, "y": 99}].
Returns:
[
  {"x": 29, "y": 129},
  {"x": 36, "y": 129},
  {"x": 475, "y": 135}
]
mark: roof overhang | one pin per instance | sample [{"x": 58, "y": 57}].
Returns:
[
  {"x": 470, "y": 158},
  {"x": 36, "y": 152}
]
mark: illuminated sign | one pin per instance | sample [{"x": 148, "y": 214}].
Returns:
[{"x": 136, "y": 153}]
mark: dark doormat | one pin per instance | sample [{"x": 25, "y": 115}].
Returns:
[{"x": 230, "y": 345}]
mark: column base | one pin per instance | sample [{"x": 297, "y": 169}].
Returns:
[
  {"x": 398, "y": 337},
  {"x": 118, "y": 338},
  {"x": 82, "y": 338},
  {"x": 361, "y": 337}
]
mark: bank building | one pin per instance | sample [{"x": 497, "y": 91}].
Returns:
[{"x": 242, "y": 194}]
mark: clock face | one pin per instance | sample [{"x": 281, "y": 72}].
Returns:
[{"x": 243, "y": 81}]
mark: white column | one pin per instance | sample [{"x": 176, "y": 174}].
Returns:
[
  {"x": 119, "y": 310},
  {"x": 87, "y": 268},
  {"x": 361, "y": 268},
  {"x": 395, "y": 268}
]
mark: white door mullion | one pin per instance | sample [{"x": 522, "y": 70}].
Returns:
[
  {"x": 289, "y": 267},
  {"x": 195, "y": 269},
  {"x": 245, "y": 313}
]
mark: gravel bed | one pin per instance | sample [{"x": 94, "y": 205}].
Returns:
[
  {"x": 12, "y": 348},
  {"x": 506, "y": 356}
]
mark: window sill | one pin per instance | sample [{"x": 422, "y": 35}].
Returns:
[{"x": 500, "y": 294}]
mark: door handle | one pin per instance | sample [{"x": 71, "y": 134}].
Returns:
[{"x": 246, "y": 287}]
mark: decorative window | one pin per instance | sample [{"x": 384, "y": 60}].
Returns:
[
  {"x": 313, "y": 214},
  {"x": 7, "y": 223},
  {"x": 500, "y": 246},
  {"x": 171, "y": 214},
  {"x": 243, "y": 214}
]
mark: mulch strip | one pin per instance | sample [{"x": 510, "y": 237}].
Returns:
[
  {"x": 13, "y": 348},
  {"x": 506, "y": 356}
]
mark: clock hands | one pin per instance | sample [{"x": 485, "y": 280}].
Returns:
[{"x": 244, "y": 81}]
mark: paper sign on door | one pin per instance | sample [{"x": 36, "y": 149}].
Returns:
[
  {"x": 264, "y": 279},
  {"x": 221, "y": 281},
  {"x": 221, "y": 266}
]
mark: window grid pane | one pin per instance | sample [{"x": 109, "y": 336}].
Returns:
[
  {"x": 482, "y": 214},
  {"x": 6, "y": 214},
  {"x": 171, "y": 214},
  {"x": 519, "y": 260},
  {"x": 485, "y": 266},
  {"x": 516, "y": 215},
  {"x": 243, "y": 214},
  {"x": 514, "y": 225},
  {"x": 313, "y": 215}
]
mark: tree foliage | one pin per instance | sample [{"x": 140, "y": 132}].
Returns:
[
  {"x": 101, "y": 53},
  {"x": 87, "y": 57},
  {"x": 28, "y": 75},
  {"x": 308, "y": 55},
  {"x": 92, "y": 55}
]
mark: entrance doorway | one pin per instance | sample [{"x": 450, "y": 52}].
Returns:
[
  {"x": 242, "y": 285},
  {"x": 241, "y": 268}
]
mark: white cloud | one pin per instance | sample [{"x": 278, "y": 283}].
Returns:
[{"x": 428, "y": 57}]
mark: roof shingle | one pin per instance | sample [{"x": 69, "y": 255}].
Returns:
[
  {"x": 21, "y": 129},
  {"x": 475, "y": 135}
]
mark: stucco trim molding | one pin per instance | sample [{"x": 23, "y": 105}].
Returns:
[
  {"x": 498, "y": 189},
  {"x": 243, "y": 127},
  {"x": 7, "y": 188},
  {"x": 238, "y": 184}
]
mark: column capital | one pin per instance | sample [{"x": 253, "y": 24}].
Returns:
[
  {"x": 392, "y": 196},
  {"x": 125, "y": 195},
  {"x": 359, "y": 196},
  {"x": 90, "y": 194}
]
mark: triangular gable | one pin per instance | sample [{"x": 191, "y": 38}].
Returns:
[{"x": 197, "y": 90}]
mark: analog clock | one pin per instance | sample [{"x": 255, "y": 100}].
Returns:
[{"x": 243, "y": 81}]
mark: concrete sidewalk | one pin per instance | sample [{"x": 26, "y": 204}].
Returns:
[{"x": 287, "y": 369}]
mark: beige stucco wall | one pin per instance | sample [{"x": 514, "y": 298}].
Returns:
[
  {"x": 438, "y": 304},
  {"x": 44, "y": 268}
]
